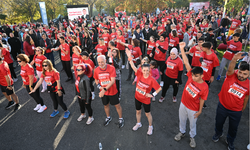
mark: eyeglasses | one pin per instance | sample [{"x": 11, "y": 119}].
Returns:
[
  {"x": 45, "y": 65},
  {"x": 18, "y": 61},
  {"x": 78, "y": 69}
]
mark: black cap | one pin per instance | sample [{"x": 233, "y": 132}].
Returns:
[
  {"x": 164, "y": 35},
  {"x": 146, "y": 23},
  {"x": 84, "y": 53},
  {"x": 210, "y": 29},
  {"x": 237, "y": 34},
  {"x": 155, "y": 24}
]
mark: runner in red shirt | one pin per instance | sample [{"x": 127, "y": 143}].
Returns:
[
  {"x": 120, "y": 39},
  {"x": 234, "y": 46},
  {"x": 235, "y": 24},
  {"x": 7, "y": 86},
  {"x": 76, "y": 57},
  {"x": 180, "y": 31},
  {"x": 30, "y": 81},
  {"x": 160, "y": 28},
  {"x": 65, "y": 57},
  {"x": 172, "y": 76},
  {"x": 38, "y": 61},
  {"x": 173, "y": 40},
  {"x": 151, "y": 45},
  {"x": 160, "y": 53},
  {"x": 145, "y": 83},
  {"x": 52, "y": 78},
  {"x": 105, "y": 80},
  {"x": 100, "y": 49},
  {"x": 106, "y": 36},
  {"x": 233, "y": 98},
  {"x": 196, "y": 51},
  {"x": 193, "y": 97}
]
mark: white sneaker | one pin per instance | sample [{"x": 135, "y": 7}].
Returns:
[
  {"x": 81, "y": 117},
  {"x": 93, "y": 95},
  {"x": 153, "y": 99},
  {"x": 150, "y": 130},
  {"x": 42, "y": 108},
  {"x": 137, "y": 126},
  {"x": 174, "y": 99},
  {"x": 37, "y": 107},
  {"x": 43, "y": 90},
  {"x": 15, "y": 79},
  {"x": 90, "y": 120},
  {"x": 161, "y": 83},
  {"x": 192, "y": 143},
  {"x": 123, "y": 66}
]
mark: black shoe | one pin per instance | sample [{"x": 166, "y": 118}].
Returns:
[
  {"x": 68, "y": 80},
  {"x": 230, "y": 145},
  {"x": 107, "y": 121},
  {"x": 121, "y": 123},
  {"x": 216, "y": 137},
  {"x": 17, "y": 107},
  {"x": 10, "y": 104}
]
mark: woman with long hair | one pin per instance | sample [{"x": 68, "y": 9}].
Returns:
[
  {"x": 52, "y": 78},
  {"x": 114, "y": 59},
  {"x": 83, "y": 91},
  {"x": 30, "y": 81},
  {"x": 29, "y": 47},
  {"x": 38, "y": 61}
]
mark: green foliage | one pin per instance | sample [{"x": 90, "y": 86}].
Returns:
[{"x": 2, "y": 16}]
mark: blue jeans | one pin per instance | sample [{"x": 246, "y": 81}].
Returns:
[
  {"x": 50, "y": 56},
  {"x": 234, "y": 119}
]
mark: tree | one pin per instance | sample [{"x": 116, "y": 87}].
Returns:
[{"x": 91, "y": 4}]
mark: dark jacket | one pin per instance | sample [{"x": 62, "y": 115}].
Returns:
[
  {"x": 39, "y": 36},
  {"x": 42, "y": 44},
  {"x": 84, "y": 88},
  {"x": 34, "y": 38},
  {"x": 154, "y": 33},
  {"x": 15, "y": 44},
  {"x": 88, "y": 46},
  {"x": 146, "y": 34}
]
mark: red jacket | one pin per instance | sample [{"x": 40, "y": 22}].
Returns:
[{"x": 28, "y": 49}]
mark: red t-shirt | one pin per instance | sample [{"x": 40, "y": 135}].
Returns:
[
  {"x": 51, "y": 77},
  {"x": 6, "y": 55},
  {"x": 39, "y": 62},
  {"x": 203, "y": 27},
  {"x": 196, "y": 56},
  {"x": 122, "y": 39},
  {"x": 90, "y": 62},
  {"x": 106, "y": 38},
  {"x": 25, "y": 72},
  {"x": 195, "y": 32},
  {"x": 192, "y": 93},
  {"x": 76, "y": 60},
  {"x": 173, "y": 67},
  {"x": 211, "y": 62},
  {"x": 65, "y": 57},
  {"x": 235, "y": 46},
  {"x": 104, "y": 77},
  {"x": 180, "y": 32},
  {"x": 233, "y": 93},
  {"x": 113, "y": 36},
  {"x": 151, "y": 46},
  {"x": 5, "y": 71},
  {"x": 173, "y": 41},
  {"x": 159, "y": 55},
  {"x": 101, "y": 50},
  {"x": 135, "y": 52},
  {"x": 161, "y": 29},
  {"x": 235, "y": 24},
  {"x": 48, "y": 32},
  {"x": 143, "y": 86}
]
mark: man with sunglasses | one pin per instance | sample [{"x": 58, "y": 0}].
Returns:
[{"x": 104, "y": 76}]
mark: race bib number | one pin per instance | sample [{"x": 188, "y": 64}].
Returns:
[
  {"x": 105, "y": 82},
  {"x": 170, "y": 65},
  {"x": 23, "y": 80},
  {"x": 157, "y": 51},
  {"x": 204, "y": 68},
  {"x": 38, "y": 65},
  {"x": 62, "y": 54},
  {"x": 197, "y": 54},
  {"x": 140, "y": 90},
  {"x": 236, "y": 90},
  {"x": 191, "y": 91},
  {"x": 170, "y": 44}
]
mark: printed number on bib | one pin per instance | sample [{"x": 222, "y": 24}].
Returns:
[
  {"x": 191, "y": 91},
  {"x": 105, "y": 82},
  {"x": 236, "y": 91},
  {"x": 140, "y": 90}
]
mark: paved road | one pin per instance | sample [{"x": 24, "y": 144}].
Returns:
[{"x": 28, "y": 130}]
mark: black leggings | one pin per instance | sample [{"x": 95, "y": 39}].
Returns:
[
  {"x": 160, "y": 64},
  {"x": 165, "y": 89},
  {"x": 122, "y": 52},
  {"x": 130, "y": 71},
  {"x": 118, "y": 86},
  {"x": 57, "y": 100},
  {"x": 82, "y": 104},
  {"x": 13, "y": 74},
  {"x": 67, "y": 68},
  {"x": 35, "y": 95},
  {"x": 91, "y": 84}
]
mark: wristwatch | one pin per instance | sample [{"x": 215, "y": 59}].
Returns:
[{"x": 105, "y": 89}]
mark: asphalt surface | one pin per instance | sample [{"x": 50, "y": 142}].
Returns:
[{"x": 28, "y": 130}]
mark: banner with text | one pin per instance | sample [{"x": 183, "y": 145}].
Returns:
[
  {"x": 198, "y": 5},
  {"x": 77, "y": 10},
  {"x": 43, "y": 12}
]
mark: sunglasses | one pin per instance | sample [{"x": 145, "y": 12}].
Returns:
[
  {"x": 78, "y": 69},
  {"x": 45, "y": 65},
  {"x": 18, "y": 61}
]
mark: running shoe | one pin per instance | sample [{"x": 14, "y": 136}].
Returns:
[
  {"x": 174, "y": 99},
  {"x": 179, "y": 136},
  {"x": 42, "y": 108},
  {"x": 81, "y": 117},
  {"x": 66, "y": 114},
  {"x": 54, "y": 113},
  {"x": 107, "y": 121},
  {"x": 137, "y": 126},
  {"x": 161, "y": 99},
  {"x": 150, "y": 130},
  {"x": 17, "y": 107},
  {"x": 90, "y": 120},
  {"x": 10, "y": 104},
  {"x": 216, "y": 137},
  {"x": 37, "y": 107},
  {"x": 121, "y": 123},
  {"x": 192, "y": 143},
  {"x": 218, "y": 78}
]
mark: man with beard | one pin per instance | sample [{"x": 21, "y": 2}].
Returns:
[{"x": 233, "y": 99}]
